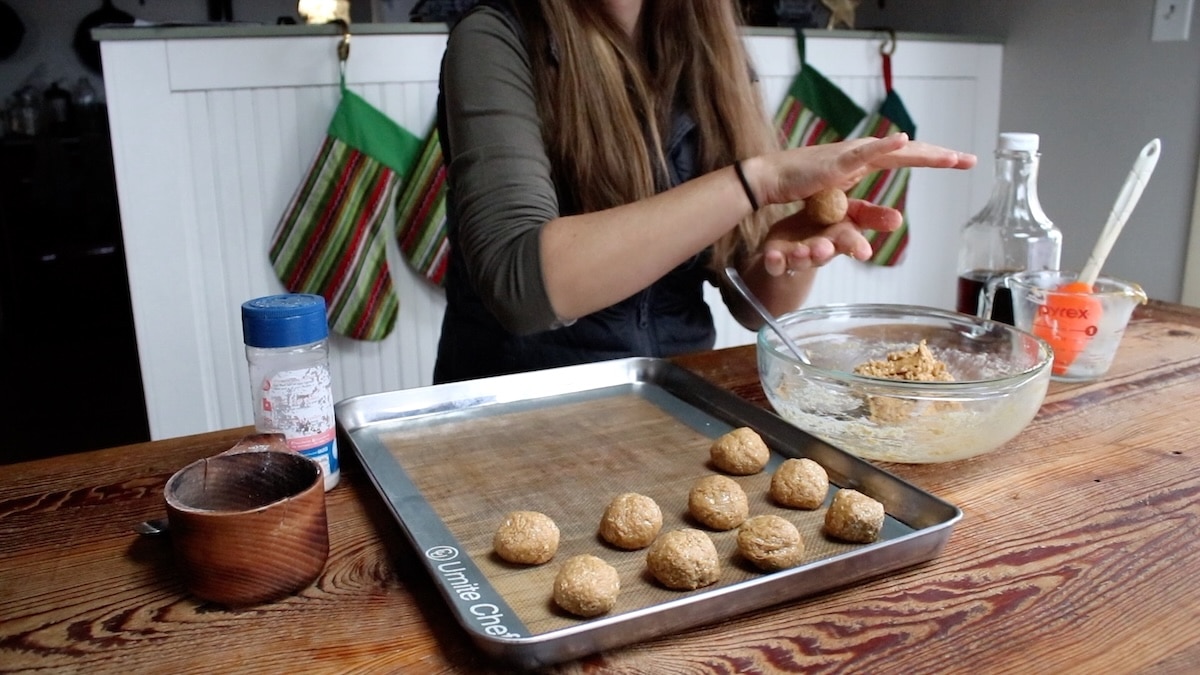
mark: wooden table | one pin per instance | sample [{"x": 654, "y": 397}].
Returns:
[{"x": 1079, "y": 551}]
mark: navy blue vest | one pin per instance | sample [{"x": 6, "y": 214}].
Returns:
[{"x": 666, "y": 319}]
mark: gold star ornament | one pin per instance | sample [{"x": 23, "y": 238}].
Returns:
[{"x": 841, "y": 12}]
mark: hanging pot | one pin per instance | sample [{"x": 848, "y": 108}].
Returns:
[{"x": 87, "y": 49}]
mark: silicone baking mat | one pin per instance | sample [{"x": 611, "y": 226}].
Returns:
[{"x": 452, "y": 460}]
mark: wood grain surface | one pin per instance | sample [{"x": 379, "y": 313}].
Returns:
[{"x": 1079, "y": 553}]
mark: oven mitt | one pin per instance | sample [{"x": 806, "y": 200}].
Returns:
[
  {"x": 330, "y": 240},
  {"x": 815, "y": 110},
  {"x": 421, "y": 214},
  {"x": 887, "y": 187}
]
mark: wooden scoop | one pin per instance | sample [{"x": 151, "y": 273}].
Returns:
[{"x": 1067, "y": 321}]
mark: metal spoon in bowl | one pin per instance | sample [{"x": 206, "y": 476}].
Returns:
[{"x": 736, "y": 280}]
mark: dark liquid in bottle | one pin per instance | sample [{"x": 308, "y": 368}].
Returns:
[{"x": 971, "y": 289}]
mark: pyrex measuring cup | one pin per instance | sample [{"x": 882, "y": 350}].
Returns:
[{"x": 1084, "y": 335}]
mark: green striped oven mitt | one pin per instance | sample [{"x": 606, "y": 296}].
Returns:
[
  {"x": 887, "y": 187},
  {"x": 814, "y": 110},
  {"x": 330, "y": 240},
  {"x": 421, "y": 214}
]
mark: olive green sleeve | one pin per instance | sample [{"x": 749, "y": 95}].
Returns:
[{"x": 499, "y": 175}]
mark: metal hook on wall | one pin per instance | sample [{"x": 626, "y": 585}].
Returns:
[
  {"x": 889, "y": 43},
  {"x": 343, "y": 48},
  {"x": 886, "y": 49}
]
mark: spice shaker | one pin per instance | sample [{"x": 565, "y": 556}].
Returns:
[{"x": 287, "y": 351}]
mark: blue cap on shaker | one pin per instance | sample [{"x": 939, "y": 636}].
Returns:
[{"x": 285, "y": 320}]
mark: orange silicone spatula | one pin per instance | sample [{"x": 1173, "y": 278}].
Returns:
[{"x": 1069, "y": 318}]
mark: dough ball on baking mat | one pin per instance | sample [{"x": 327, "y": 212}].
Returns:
[
  {"x": 770, "y": 542},
  {"x": 631, "y": 521},
  {"x": 526, "y": 537},
  {"x": 586, "y": 586},
  {"x": 718, "y": 502},
  {"x": 854, "y": 517},
  {"x": 800, "y": 484},
  {"x": 684, "y": 560},
  {"x": 740, "y": 452}
]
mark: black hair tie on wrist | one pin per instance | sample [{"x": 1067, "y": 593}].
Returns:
[{"x": 737, "y": 167}]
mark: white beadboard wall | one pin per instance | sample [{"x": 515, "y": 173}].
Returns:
[{"x": 212, "y": 134}]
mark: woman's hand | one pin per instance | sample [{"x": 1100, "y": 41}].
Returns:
[
  {"x": 791, "y": 175},
  {"x": 798, "y": 243}
]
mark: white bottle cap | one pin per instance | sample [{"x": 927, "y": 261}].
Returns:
[{"x": 1018, "y": 142}]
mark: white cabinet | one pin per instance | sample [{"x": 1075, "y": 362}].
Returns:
[{"x": 212, "y": 132}]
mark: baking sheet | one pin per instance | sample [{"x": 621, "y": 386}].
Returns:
[{"x": 451, "y": 460}]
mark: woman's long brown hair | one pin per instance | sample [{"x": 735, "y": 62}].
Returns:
[{"x": 606, "y": 102}]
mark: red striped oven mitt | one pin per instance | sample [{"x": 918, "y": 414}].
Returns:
[
  {"x": 887, "y": 187},
  {"x": 330, "y": 240},
  {"x": 421, "y": 214},
  {"x": 816, "y": 111}
]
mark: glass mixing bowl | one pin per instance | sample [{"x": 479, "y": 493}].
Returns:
[{"x": 1000, "y": 379}]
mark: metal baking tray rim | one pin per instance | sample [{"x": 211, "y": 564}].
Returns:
[{"x": 358, "y": 414}]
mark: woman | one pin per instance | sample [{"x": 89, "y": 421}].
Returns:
[{"x": 593, "y": 149}]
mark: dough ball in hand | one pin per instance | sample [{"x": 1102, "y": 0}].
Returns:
[
  {"x": 586, "y": 586},
  {"x": 771, "y": 543},
  {"x": 526, "y": 537},
  {"x": 799, "y": 484},
  {"x": 718, "y": 502},
  {"x": 827, "y": 207},
  {"x": 740, "y": 452},
  {"x": 684, "y": 560},
  {"x": 854, "y": 517},
  {"x": 631, "y": 521}
]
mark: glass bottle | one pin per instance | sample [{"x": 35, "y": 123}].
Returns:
[
  {"x": 1011, "y": 233},
  {"x": 58, "y": 104},
  {"x": 87, "y": 105},
  {"x": 287, "y": 351}
]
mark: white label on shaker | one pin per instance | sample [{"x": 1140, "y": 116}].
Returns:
[{"x": 299, "y": 404}]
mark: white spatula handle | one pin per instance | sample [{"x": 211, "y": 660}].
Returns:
[{"x": 1131, "y": 191}]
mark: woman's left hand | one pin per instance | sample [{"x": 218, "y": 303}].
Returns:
[{"x": 797, "y": 243}]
